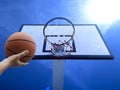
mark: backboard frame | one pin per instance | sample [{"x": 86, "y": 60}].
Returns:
[{"x": 81, "y": 57}]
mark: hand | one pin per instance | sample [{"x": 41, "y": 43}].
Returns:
[{"x": 14, "y": 60}]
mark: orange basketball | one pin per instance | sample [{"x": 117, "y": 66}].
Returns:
[{"x": 19, "y": 42}]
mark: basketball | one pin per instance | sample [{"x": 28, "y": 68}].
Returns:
[{"x": 18, "y": 42}]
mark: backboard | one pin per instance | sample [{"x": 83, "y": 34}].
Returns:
[{"x": 87, "y": 41}]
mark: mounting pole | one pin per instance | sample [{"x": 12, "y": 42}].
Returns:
[{"x": 58, "y": 75}]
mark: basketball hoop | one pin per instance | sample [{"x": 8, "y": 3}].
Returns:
[{"x": 59, "y": 48}]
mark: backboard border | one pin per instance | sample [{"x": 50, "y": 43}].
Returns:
[{"x": 81, "y": 57}]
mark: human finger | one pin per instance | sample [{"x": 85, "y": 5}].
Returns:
[
  {"x": 24, "y": 53},
  {"x": 19, "y": 63},
  {"x": 22, "y": 63}
]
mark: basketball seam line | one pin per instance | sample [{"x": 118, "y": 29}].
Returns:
[
  {"x": 14, "y": 51},
  {"x": 21, "y": 40}
]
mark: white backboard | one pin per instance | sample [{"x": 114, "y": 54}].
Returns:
[{"x": 87, "y": 42}]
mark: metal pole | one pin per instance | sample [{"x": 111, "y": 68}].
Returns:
[{"x": 58, "y": 75}]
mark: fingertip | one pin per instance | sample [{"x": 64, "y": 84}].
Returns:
[
  {"x": 23, "y": 63},
  {"x": 26, "y": 51},
  {"x": 26, "y": 63}
]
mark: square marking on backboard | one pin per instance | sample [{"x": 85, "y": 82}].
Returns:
[{"x": 46, "y": 45}]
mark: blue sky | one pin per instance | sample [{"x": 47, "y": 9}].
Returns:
[{"x": 79, "y": 74}]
